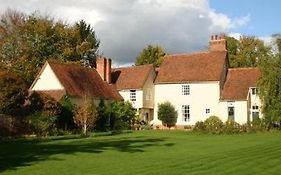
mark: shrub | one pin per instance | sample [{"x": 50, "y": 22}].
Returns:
[
  {"x": 65, "y": 119},
  {"x": 213, "y": 125},
  {"x": 199, "y": 127},
  {"x": 122, "y": 115},
  {"x": 231, "y": 127},
  {"x": 41, "y": 123},
  {"x": 167, "y": 114}
]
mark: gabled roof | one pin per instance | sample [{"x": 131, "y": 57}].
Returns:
[
  {"x": 131, "y": 77},
  {"x": 238, "y": 82},
  {"x": 202, "y": 66},
  {"x": 79, "y": 81}
]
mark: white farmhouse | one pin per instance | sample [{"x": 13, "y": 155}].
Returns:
[{"x": 200, "y": 85}]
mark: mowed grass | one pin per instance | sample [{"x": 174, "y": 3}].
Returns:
[{"x": 144, "y": 152}]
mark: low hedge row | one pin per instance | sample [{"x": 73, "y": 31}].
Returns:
[{"x": 214, "y": 125}]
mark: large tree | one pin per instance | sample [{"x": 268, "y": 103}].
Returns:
[
  {"x": 27, "y": 41},
  {"x": 151, "y": 55},
  {"x": 12, "y": 94},
  {"x": 270, "y": 87},
  {"x": 246, "y": 52}
]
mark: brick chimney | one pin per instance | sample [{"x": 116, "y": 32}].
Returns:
[
  {"x": 104, "y": 68},
  {"x": 108, "y": 71},
  {"x": 217, "y": 43}
]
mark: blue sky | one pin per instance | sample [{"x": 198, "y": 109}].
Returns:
[{"x": 265, "y": 16}]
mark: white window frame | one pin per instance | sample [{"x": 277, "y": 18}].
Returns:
[
  {"x": 133, "y": 95},
  {"x": 185, "y": 89},
  {"x": 185, "y": 109},
  {"x": 254, "y": 91}
]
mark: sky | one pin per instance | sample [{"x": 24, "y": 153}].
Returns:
[{"x": 125, "y": 27}]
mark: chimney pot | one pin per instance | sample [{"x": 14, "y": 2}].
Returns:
[{"x": 217, "y": 43}]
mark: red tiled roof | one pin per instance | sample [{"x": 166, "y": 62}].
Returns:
[
  {"x": 55, "y": 94},
  {"x": 79, "y": 81},
  {"x": 203, "y": 66},
  {"x": 238, "y": 81},
  {"x": 131, "y": 77}
]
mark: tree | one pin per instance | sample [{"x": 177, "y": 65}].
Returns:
[
  {"x": 246, "y": 52},
  {"x": 167, "y": 114},
  {"x": 151, "y": 55},
  {"x": 103, "y": 117},
  {"x": 27, "y": 41},
  {"x": 86, "y": 115},
  {"x": 13, "y": 93},
  {"x": 277, "y": 38},
  {"x": 90, "y": 43},
  {"x": 270, "y": 88}
]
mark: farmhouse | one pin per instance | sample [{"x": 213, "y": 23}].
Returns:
[
  {"x": 199, "y": 85},
  {"x": 57, "y": 80}
]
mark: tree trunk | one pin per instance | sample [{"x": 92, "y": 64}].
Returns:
[{"x": 84, "y": 129}]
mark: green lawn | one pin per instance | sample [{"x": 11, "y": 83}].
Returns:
[{"x": 144, "y": 152}]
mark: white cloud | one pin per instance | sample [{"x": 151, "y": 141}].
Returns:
[
  {"x": 239, "y": 22},
  {"x": 125, "y": 26}
]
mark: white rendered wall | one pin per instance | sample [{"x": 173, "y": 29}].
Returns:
[
  {"x": 47, "y": 80},
  {"x": 254, "y": 101},
  {"x": 203, "y": 95},
  {"x": 139, "y": 97},
  {"x": 240, "y": 111},
  {"x": 148, "y": 91}
]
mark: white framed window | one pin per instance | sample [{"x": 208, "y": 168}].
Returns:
[
  {"x": 133, "y": 95},
  {"x": 230, "y": 110},
  {"x": 255, "y": 113},
  {"x": 185, "y": 113},
  {"x": 185, "y": 89},
  {"x": 208, "y": 111},
  {"x": 254, "y": 91}
]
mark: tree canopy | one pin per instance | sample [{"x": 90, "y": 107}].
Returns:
[
  {"x": 270, "y": 88},
  {"x": 245, "y": 52},
  {"x": 151, "y": 55},
  {"x": 27, "y": 41}
]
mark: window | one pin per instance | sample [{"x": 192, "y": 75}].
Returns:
[
  {"x": 207, "y": 111},
  {"x": 255, "y": 107},
  {"x": 133, "y": 95},
  {"x": 255, "y": 115},
  {"x": 185, "y": 113},
  {"x": 185, "y": 90},
  {"x": 230, "y": 112},
  {"x": 255, "y": 91}
]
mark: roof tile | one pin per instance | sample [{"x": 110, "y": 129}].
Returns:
[
  {"x": 238, "y": 82},
  {"x": 202, "y": 66}
]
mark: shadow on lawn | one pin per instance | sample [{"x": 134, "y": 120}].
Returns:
[{"x": 24, "y": 152}]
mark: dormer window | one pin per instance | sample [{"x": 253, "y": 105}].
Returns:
[
  {"x": 133, "y": 95},
  {"x": 254, "y": 91},
  {"x": 185, "y": 89}
]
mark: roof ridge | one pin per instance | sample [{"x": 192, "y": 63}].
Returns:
[
  {"x": 193, "y": 53},
  {"x": 242, "y": 68}
]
